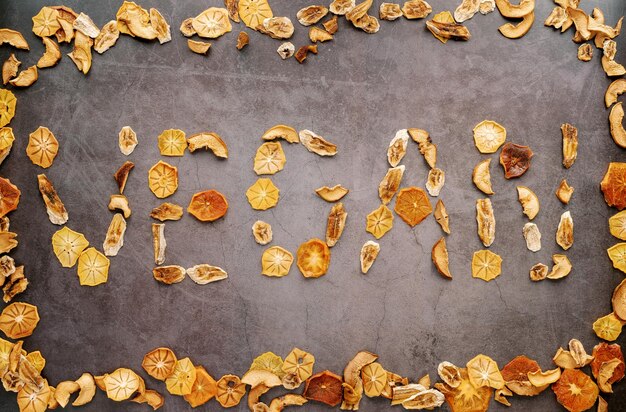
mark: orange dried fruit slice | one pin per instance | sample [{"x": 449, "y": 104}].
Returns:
[
  {"x": 439, "y": 255},
  {"x": 203, "y": 390},
  {"x": 263, "y": 195},
  {"x": 230, "y": 390},
  {"x": 466, "y": 397},
  {"x": 515, "y": 159},
  {"x": 602, "y": 353},
  {"x": 212, "y": 23},
  {"x": 93, "y": 267},
  {"x": 281, "y": 131},
  {"x": 412, "y": 205},
  {"x": 42, "y": 147},
  {"x": 121, "y": 384},
  {"x": 575, "y": 390},
  {"x": 313, "y": 258},
  {"x": 172, "y": 142},
  {"x": 379, "y": 222},
  {"x": 181, "y": 380},
  {"x": 299, "y": 362},
  {"x": 486, "y": 265},
  {"x": 163, "y": 179},
  {"x": 159, "y": 363},
  {"x": 489, "y": 136},
  {"x": 31, "y": 398},
  {"x": 19, "y": 320},
  {"x": 208, "y": 206},
  {"x": 276, "y": 262},
  {"x": 374, "y": 379},
  {"x": 209, "y": 141},
  {"x": 253, "y": 12},
  {"x": 325, "y": 387},
  {"x": 9, "y": 196},
  {"x": 37, "y": 360},
  {"x": 68, "y": 245},
  {"x": 7, "y": 106},
  {"x": 613, "y": 185},
  {"x": 617, "y": 254},
  {"x": 269, "y": 159},
  {"x": 608, "y": 327},
  {"x": 484, "y": 371},
  {"x": 45, "y": 23},
  {"x": 617, "y": 225},
  {"x": 515, "y": 375}
]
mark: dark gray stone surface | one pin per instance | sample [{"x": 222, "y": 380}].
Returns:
[{"x": 357, "y": 92}]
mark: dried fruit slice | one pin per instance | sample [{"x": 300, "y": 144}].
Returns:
[
  {"x": 397, "y": 147},
  {"x": 374, "y": 379},
  {"x": 466, "y": 397},
  {"x": 121, "y": 384},
  {"x": 109, "y": 34},
  {"x": 121, "y": 175},
  {"x": 332, "y": 194},
  {"x": 529, "y": 201},
  {"x": 263, "y": 195},
  {"x": 613, "y": 185},
  {"x": 203, "y": 390},
  {"x": 37, "y": 360},
  {"x": 8, "y": 241},
  {"x": 482, "y": 177},
  {"x": 34, "y": 399},
  {"x": 253, "y": 12},
  {"x": 565, "y": 231},
  {"x": 379, "y": 222},
  {"x": 262, "y": 232},
  {"x": 127, "y": 140},
  {"x": 93, "y": 267},
  {"x": 212, "y": 23},
  {"x": 448, "y": 30},
  {"x": 389, "y": 11},
  {"x": 538, "y": 272},
  {"x": 616, "y": 118},
  {"x": 570, "y": 144},
  {"x": 163, "y": 179},
  {"x": 562, "y": 267},
  {"x": 208, "y": 206},
  {"x": 159, "y": 363},
  {"x": 281, "y": 131},
  {"x": 159, "y": 244},
  {"x": 390, "y": 184},
  {"x": 120, "y": 202},
  {"x": 466, "y": 10},
  {"x": 564, "y": 192},
  {"x": 269, "y": 362},
  {"x": 169, "y": 274},
  {"x": 52, "y": 55},
  {"x": 19, "y": 320},
  {"x": 269, "y": 159},
  {"x": 486, "y": 265},
  {"x": 6, "y": 138},
  {"x": 412, "y": 205},
  {"x": 317, "y": 34},
  {"x": 441, "y": 216},
  {"x": 299, "y": 362},
  {"x": 13, "y": 38},
  {"x": 198, "y": 47},
  {"x": 341, "y": 7},
  {"x": 42, "y": 147},
  {"x": 575, "y": 390},
  {"x": 313, "y": 258},
  {"x": 608, "y": 327},
  {"x": 325, "y": 387},
  {"x": 26, "y": 77},
  {"x": 277, "y": 27},
  {"x": 7, "y": 106},
  {"x": 444, "y": 17},
  {"x": 276, "y": 262},
  {"x": 180, "y": 381},
  {"x": 172, "y": 142},
  {"x": 541, "y": 379},
  {"x": 484, "y": 371},
  {"x": 489, "y": 136},
  {"x": 515, "y": 31},
  {"x": 532, "y": 237},
  {"x": 369, "y": 253},
  {"x": 135, "y": 21},
  {"x": 204, "y": 274},
  {"x": 87, "y": 387},
  {"x": 515, "y": 159},
  {"x": 335, "y": 224},
  {"x": 54, "y": 206},
  {"x": 45, "y": 22},
  {"x": 515, "y": 375},
  {"x": 167, "y": 211},
  {"x": 618, "y": 300},
  {"x": 436, "y": 180},
  {"x": 486, "y": 221},
  {"x": 439, "y": 256},
  {"x": 208, "y": 141},
  {"x": 81, "y": 54},
  {"x": 425, "y": 144},
  {"x": 68, "y": 246},
  {"x": 416, "y": 9},
  {"x": 615, "y": 89},
  {"x": 301, "y": 56},
  {"x": 617, "y": 254},
  {"x": 317, "y": 144},
  {"x": 603, "y": 353},
  {"x": 230, "y": 389},
  {"x": 311, "y": 15},
  {"x": 10, "y": 68},
  {"x": 114, "y": 239}
]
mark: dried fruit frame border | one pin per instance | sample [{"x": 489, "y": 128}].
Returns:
[{"x": 21, "y": 371}]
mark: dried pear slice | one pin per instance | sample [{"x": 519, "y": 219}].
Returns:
[
  {"x": 486, "y": 221},
  {"x": 532, "y": 237},
  {"x": 7, "y": 106},
  {"x": 440, "y": 258},
  {"x": 159, "y": 244},
  {"x": 486, "y": 265},
  {"x": 172, "y": 142},
  {"x": 389, "y": 11},
  {"x": 208, "y": 206},
  {"x": 332, "y": 194},
  {"x": 163, "y": 179},
  {"x": 412, "y": 205},
  {"x": 10, "y": 68},
  {"x": 313, "y": 258},
  {"x": 208, "y": 141},
  {"x": 263, "y": 194},
  {"x": 253, "y": 12},
  {"x": 230, "y": 389},
  {"x": 369, "y": 253},
  {"x": 390, "y": 183},
  {"x": 311, "y": 15},
  {"x": 397, "y": 147},
  {"x": 529, "y": 201},
  {"x": 242, "y": 40},
  {"x": 269, "y": 159},
  {"x": 169, "y": 274},
  {"x": 335, "y": 224},
  {"x": 54, "y": 206},
  {"x": 204, "y": 388},
  {"x": 276, "y": 262},
  {"x": 107, "y": 38},
  {"x": 570, "y": 144},
  {"x": 379, "y": 222},
  {"x": 212, "y": 23},
  {"x": 167, "y": 211},
  {"x": 93, "y": 268},
  {"x": 281, "y": 131},
  {"x": 585, "y": 52},
  {"x": 120, "y": 202},
  {"x": 564, "y": 192},
  {"x": 51, "y": 56},
  {"x": 42, "y": 147},
  {"x": 45, "y": 22},
  {"x": 562, "y": 267},
  {"x": 121, "y": 384},
  {"x": 64, "y": 390},
  {"x": 13, "y": 38},
  {"x": 19, "y": 320},
  {"x": 515, "y": 11},
  {"x": 121, "y": 175},
  {"x": 160, "y": 25},
  {"x": 127, "y": 140},
  {"x": 317, "y": 144},
  {"x": 114, "y": 239},
  {"x": 615, "y": 89},
  {"x": 416, "y": 9},
  {"x": 515, "y": 31},
  {"x": 198, "y": 47},
  {"x": 427, "y": 148},
  {"x": 204, "y": 274},
  {"x": 482, "y": 177},
  {"x": 617, "y": 254},
  {"x": 448, "y": 30},
  {"x": 341, "y": 7},
  {"x": 484, "y": 371},
  {"x": 617, "y": 128},
  {"x": 565, "y": 231},
  {"x": 87, "y": 390},
  {"x": 278, "y": 27},
  {"x": 68, "y": 246},
  {"x": 489, "y": 136},
  {"x": 441, "y": 216},
  {"x": 435, "y": 181},
  {"x": 538, "y": 272}
]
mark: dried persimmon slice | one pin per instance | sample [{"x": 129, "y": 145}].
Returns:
[
  {"x": 253, "y": 12},
  {"x": 617, "y": 254},
  {"x": 230, "y": 390},
  {"x": 9, "y": 196},
  {"x": 313, "y": 258},
  {"x": 412, "y": 205},
  {"x": 263, "y": 195},
  {"x": 93, "y": 267},
  {"x": 203, "y": 390},
  {"x": 325, "y": 387},
  {"x": 465, "y": 396},
  {"x": 374, "y": 379},
  {"x": 212, "y": 23},
  {"x": 7, "y": 106},
  {"x": 515, "y": 159},
  {"x": 31, "y": 398},
  {"x": 484, "y": 371},
  {"x": 613, "y": 185},
  {"x": 489, "y": 136},
  {"x": 6, "y": 138},
  {"x": 269, "y": 362},
  {"x": 269, "y": 159},
  {"x": 604, "y": 352},
  {"x": 37, "y": 360},
  {"x": 276, "y": 262},
  {"x": 45, "y": 23},
  {"x": 208, "y": 206},
  {"x": 299, "y": 362},
  {"x": 379, "y": 222},
  {"x": 575, "y": 390},
  {"x": 617, "y": 225},
  {"x": 163, "y": 179},
  {"x": 608, "y": 327},
  {"x": 42, "y": 147},
  {"x": 121, "y": 384},
  {"x": 180, "y": 381},
  {"x": 172, "y": 142},
  {"x": 159, "y": 363},
  {"x": 68, "y": 245},
  {"x": 19, "y": 320},
  {"x": 515, "y": 374},
  {"x": 486, "y": 265}
]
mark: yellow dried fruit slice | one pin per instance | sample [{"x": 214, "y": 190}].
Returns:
[
  {"x": 121, "y": 384},
  {"x": 180, "y": 382},
  {"x": 489, "y": 136},
  {"x": 172, "y": 142},
  {"x": 45, "y": 23},
  {"x": 465, "y": 397},
  {"x": 443, "y": 17},
  {"x": 281, "y": 131},
  {"x": 263, "y": 195},
  {"x": 374, "y": 379},
  {"x": 269, "y": 159},
  {"x": 19, "y": 320},
  {"x": 31, "y": 398},
  {"x": 412, "y": 205},
  {"x": 230, "y": 389},
  {"x": 212, "y": 23},
  {"x": 203, "y": 390},
  {"x": 68, "y": 245},
  {"x": 486, "y": 265},
  {"x": 37, "y": 360},
  {"x": 484, "y": 371},
  {"x": 7, "y": 106},
  {"x": 608, "y": 327},
  {"x": 159, "y": 363},
  {"x": 617, "y": 225},
  {"x": 93, "y": 267},
  {"x": 269, "y": 362},
  {"x": 332, "y": 194},
  {"x": 253, "y": 12},
  {"x": 617, "y": 254},
  {"x": 300, "y": 363},
  {"x": 163, "y": 179},
  {"x": 208, "y": 141},
  {"x": 6, "y": 138},
  {"x": 379, "y": 222},
  {"x": 313, "y": 258},
  {"x": 482, "y": 177},
  {"x": 42, "y": 147},
  {"x": 276, "y": 262}
]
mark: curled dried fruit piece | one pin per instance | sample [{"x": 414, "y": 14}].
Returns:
[
  {"x": 565, "y": 231},
  {"x": 242, "y": 40},
  {"x": 42, "y": 147},
  {"x": 121, "y": 175},
  {"x": 233, "y": 9},
  {"x": 317, "y": 144},
  {"x": 276, "y": 262},
  {"x": 163, "y": 179},
  {"x": 575, "y": 390},
  {"x": 120, "y": 202},
  {"x": 13, "y": 38},
  {"x": 616, "y": 118},
  {"x": 486, "y": 221},
  {"x": 262, "y": 232},
  {"x": 68, "y": 245},
  {"x": 412, "y": 205},
  {"x": 379, "y": 222},
  {"x": 167, "y": 211},
  {"x": 26, "y": 77},
  {"x": 466, "y": 10},
  {"x": 515, "y": 375},
  {"x": 107, "y": 38},
  {"x": 515, "y": 11},
  {"x": 198, "y": 47},
  {"x": 562, "y": 267},
  {"x": 441, "y": 216},
  {"x": 208, "y": 141},
  {"x": 538, "y": 272},
  {"x": 160, "y": 25},
  {"x": 541, "y": 379},
  {"x": 135, "y": 21},
  {"x": 443, "y": 17},
  {"x": 159, "y": 244},
  {"x": 127, "y": 140},
  {"x": 439, "y": 256},
  {"x": 7, "y": 241},
  {"x": 313, "y": 258},
  {"x": 19, "y": 320},
  {"x": 607, "y": 327},
  {"x": 180, "y": 381},
  {"x": 186, "y": 27},
  {"x": 615, "y": 89},
  {"x": 253, "y": 12},
  {"x": 448, "y": 30},
  {"x": 159, "y": 363},
  {"x": 515, "y": 31},
  {"x": 532, "y": 237},
  {"x": 203, "y": 390},
  {"x": 311, "y": 15},
  {"x": 331, "y": 194},
  {"x": 10, "y": 68},
  {"x": 86, "y": 26},
  {"x": 204, "y": 274},
  {"x": 335, "y": 224},
  {"x": 169, "y": 274},
  {"x": 570, "y": 144},
  {"x": 230, "y": 389},
  {"x": 397, "y": 147},
  {"x": 436, "y": 180},
  {"x": 369, "y": 253},
  {"x": 341, "y": 7},
  {"x": 353, "y": 384},
  {"x": 51, "y": 56},
  {"x": 6, "y": 142},
  {"x": 81, "y": 54},
  {"x": 208, "y": 206},
  {"x": 54, "y": 206},
  {"x": 489, "y": 136},
  {"x": 281, "y": 131},
  {"x": 564, "y": 192},
  {"x": 482, "y": 177},
  {"x": 515, "y": 159},
  {"x": 426, "y": 147},
  {"x": 7, "y": 106},
  {"x": 618, "y": 300},
  {"x": 578, "y": 353},
  {"x": 93, "y": 267},
  {"x": 603, "y": 353},
  {"x": 529, "y": 201},
  {"x": 484, "y": 371},
  {"x": 486, "y": 265},
  {"x": 269, "y": 159},
  {"x": 114, "y": 239},
  {"x": 263, "y": 195}
]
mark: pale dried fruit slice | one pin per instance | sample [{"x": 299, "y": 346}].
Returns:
[
  {"x": 617, "y": 254},
  {"x": 448, "y": 30},
  {"x": 390, "y": 183},
  {"x": 466, "y": 397},
  {"x": 278, "y": 27},
  {"x": 427, "y": 148},
  {"x": 617, "y": 128},
  {"x": 393, "y": 381},
  {"x": 332, "y": 194},
  {"x": 121, "y": 384},
  {"x": 389, "y": 11},
  {"x": 532, "y": 237},
  {"x": 353, "y": 384},
  {"x": 242, "y": 40},
  {"x": 10, "y": 68},
  {"x": 570, "y": 144},
  {"x": 159, "y": 363},
  {"x": 341, "y": 7},
  {"x": 114, "y": 239},
  {"x": 169, "y": 274},
  {"x": 135, "y": 21},
  {"x": 198, "y": 47},
  {"x": 379, "y": 222},
  {"x": 436, "y": 180},
  {"x": 618, "y": 300},
  {"x": 441, "y": 216},
  {"x": 578, "y": 353},
  {"x": 107, "y": 38},
  {"x": 86, "y": 26},
  {"x": 160, "y": 25},
  {"x": 54, "y": 206},
  {"x": 575, "y": 390},
  {"x": 34, "y": 399},
  {"x": 269, "y": 159},
  {"x": 167, "y": 211},
  {"x": 482, "y": 177},
  {"x": 87, "y": 387},
  {"x": 512, "y": 11},
  {"x": 335, "y": 224},
  {"x": 486, "y": 265},
  {"x": 208, "y": 141},
  {"x": 26, "y": 77},
  {"x": 63, "y": 391},
  {"x": 186, "y": 27},
  {"x": 515, "y": 31},
  {"x": 313, "y": 258},
  {"x": 93, "y": 268},
  {"x": 204, "y": 274},
  {"x": 81, "y": 54},
  {"x": 262, "y": 232},
  {"x": 203, "y": 390},
  {"x": 51, "y": 56},
  {"x": 180, "y": 381},
  {"x": 230, "y": 389},
  {"x": 120, "y": 202},
  {"x": 541, "y": 379},
  {"x": 564, "y": 192},
  {"x": 562, "y": 267},
  {"x": 45, "y": 22},
  {"x": 281, "y": 131},
  {"x": 127, "y": 140},
  {"x": 269, "y": 362},
  {"x": 565, "y": 231},
  {"x": 615, "y": 89},
  {"x": 311, "y": 14},
  {"x": 263, "y": 194},
  {"x": 486, "y": 221},
  {"x": 426, "y": 399},
  {"x": 212, "y": 23},
  {"x": 585, "y": 52},
  {"x": 13, "y": 38},
  {"x": 484, "y": 371},
  {"x": 607, "y": 370},
  {"x": 515, "y": 159},
  {"x": 19, "y": 320},
  {"x": 416, "y": 9},
  {"x": 7, "y": 241},
  {"x": 163, "y": 179},
  {"x": 412, "y": 205},
  {"x": 608, "y": 327},
  {"x": 515, "y": 375},
  {"x": 369, "y": 253},
  {"x": 68, "y": 246},
  {"x": 443, "y": 17},
  {"x": 538, "y": 272},
  {"x": 466, "y": 10},
  {"x": 276, "y": 262},
  {"x": 489, "y": 136},
  {"x": 42, "y": 147},
  {"x": 439, "y": 256},
  {"x": 317, "y": 144},
  {"x": 150, "y": 397},
  {"x": 208, "y": 206},
  {"x": 529, "y": 201},
  {"x": 172, "y": 142},
  {"x": 7, "y": 106},
  {"x": 397, "y": 147},
  {"x": 253, "y": 12}
]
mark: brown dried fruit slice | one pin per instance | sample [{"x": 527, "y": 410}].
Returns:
[
  {"x": 277, "y": 27},
  {"x": 172, "y": 142},
  {"x": 121, "y": 175},
  {"x": 10, "y": 68},
  {"x": 615, "y": 89},
  {"x": 208, "y": 206},
  {"x": 313, "y": 258},
  {"x": 7, "y": 106},
  {"x": 466, "y": 397},
  {"x": 436, "y": 180},
  {"x": 379, "y": 222},
  {"x": 565, "y": 231},
  {"x": 482, "y": 177},
  {"x": 281, "y": 131},
  {"x": 486, "y": 265},
  {"x": 233, "y": 9},
  {"x": 300, "y": 56},
  {"x": 203, "y": 390},
  {"x": 42, "y": 147},
  {"x": 180, "y": 381},
  {"x": 515, "y": 159},
  {"x": 167, "y": 211},
  {"x": 276, "y": 262},
  {"x": 208, "y": 141},
  {"x": 486, "y": 221},
  {"x": 564, "y": 192},
  {"x": 446, "y": 18},
  {"x": 278, "y": 404},
  {"x": 538, "y": 272},
  {"x": 34, "y": 399},
  {"x": 374, "y": 379},
  {"x": 369, "y": 253},
  {"x": 489, "y": 136},
  {"x": 263, "y": 194},
  {"x": 68, "y": 246},
  {"x": 412, "y": 205},
  {"x": 169, "y": 274},
  {"x": 341, "y": 7},
  {"x": 262, "y": 232},
  {"x": 300, "y": 363},
  {"x": 389, "y": 11},
  {"x": 617, "y": 128},
  {"x": 515, "y": 31},
  {"x": 93, "y": 268},
  {"x": 16, "y": 283},
  {"x": 253, "y": 12},
  {"x": 7, "y": 241},
  {"x": 127, "y": 140},
  {"x": 269, "y": 159},
  {"x": 230, "y": 389},
  {"x": 317, "y": 144},
  {"x": 608, "y": 327},
  {"x": 515, "y": 375},
  {"x": 107, "y": 38},
  {"x": 575, "y": 390},
  {"x": 51, "y": 56},
  {"x": 484, "y": 371},
  {"x": 19, "y": 320},
  {"x": 607, "y": 370},
  {"x": 390, "y": 184},
  {"x": 335, "y": 224},
  {"x": 416, "y": 9},
  {"x": 613, "y": 185},
  {"x": 570, "y": 144},
  {"x": 212, "y": 23},
  {"x": 331, "y": 194},
  {"x": 397, "y": 147},
  {"x": 311, "y": 14},
  {"x": 159, "y": 363},
  {"x": 45, "y": 22},
  {"x": 163, "y": 179},
  {"x": 618, "y": 300},
  {"x": 439, "y": 256},
  {"x": 9, "y": 196},
  {"x": 121, "y": 384},
  {"x": 325, "y": 387},
  {"x": 441, "y": 216},
  {"x": 13, "y": 38},
  {"x": 602, "y": 353},
  {"x": 54, "y": 206},
  {"x": 204, "y": 274}
]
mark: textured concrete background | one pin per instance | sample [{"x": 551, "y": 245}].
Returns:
[{"x": 357, "y": 92}]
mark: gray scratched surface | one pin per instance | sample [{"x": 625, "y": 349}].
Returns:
[{"x": 357, "y": 92}]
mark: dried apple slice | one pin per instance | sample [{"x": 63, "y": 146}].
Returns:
[
  {"x": 466, "y": 10},
  {"x": 397, "y": 147},
  {"x": 33, "y": 399},
  {"x": 313, "y": 258},
  {"x": 54, "y": 206},
  {"x": 541, "y": 379},
  {"x": 253, "y": 12},
  {"x": 325, "y": 387},
  {"x": 276, "y": 262},
  {"x": 51, "y": 56},
  {"x": 159, "y": 363},
  {"x": 172, "y": 142},
  {"x": 389, "y": 11},
  {"x": 163, "y": 179},
  {"x": 203, "y": 390},
  {"x": 311, "y": 14},
  {"x": 135, "y": 21},
  {"x": 68, "y": 246},
  {"x": 208, "y": 206},
  {"x": 107, "y": 38},
  {"x": 486, "y": 265},
  {"x": 515, "y": 159},
  {"x": 317, "y": 144},
  {"x": 570, "y": 144},
  {"x": 93, "y": 268},
  {"x": 278, "y": 27},
  {"x": 369, "y": 253},
  {"x": 127, "y": 140},
  {"x": 230, "y": 389},
  {"x": 482, "y": 177},
  {"x": 269, "y": 159},
  {"x": 486, "y": 222},
  {"x": 585, "y": 52},
  {"x": 617, "y": 128},
  {"x": 436, "y": 180},
  {"x": 159, "y": 244},
  {"x": 87, "y": 390},
  {"x": 204, "y": 274},
  {"x": 562, "y": 267},
  {"x": 19, "y": 320},
  {"x": 515, "y": 31},
  {"x": 529, "y": 201},
  {"x": 489, "y": 136},
  {"x": 81, "y": 54},
  {"x": 379, "y": 222},
  {"x": 515, "y": 11},
  {"x": 26, "y": 77},
  {"x": 262, "y": 232},
  {"x": 341, "y": 7},
  {"x": 208, "y": 141},
  {"x": 575, "y": 390},
  {"x": 167, "y": 211},
  {"x": 412, "y": 205},
  {"x": 390, "y": 184},
  {"x": 42, "y": 147},
  {"x": 608, "y": 327},
  {"x": 7, "y": 106},
  {"x": 13, "y": 38},
  {"x": 332, "y": 194},
  {"x": 263, "y": 195},
  {"x": 615, "y": 89},
  {"x": 335, "y": 224},
  {"x": 439, "y": 256},
  {"x": 45, "y": 22},
  {"x": 121, "y": 384},
  {"x": 10, "y": 67},
  {"x": 281, "y": 131},
  {"x": 515, "y": 375},
  {"x": 618, "y": 300},
  {"x": 448, "y": 30}
]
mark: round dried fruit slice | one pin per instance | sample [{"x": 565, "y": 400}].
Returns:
[
  {"x": 313, "y": 258},
  {"x": 466, "y": 397},
  {"x": 515, "y": 159},
  {"x": 37, "y": 360},
  {"x": 172, "y": 142},
  {"x": 613, "y": 185},
  {"x": 263, "y": 195},
  {"x": 6, "y": 138},
  {"x": 602, "y": 353},
  {"x": 617, "y": 225},
  {"x": 374, "y": 379},
  {"x": 325, "y": 387},
  {"x": 34, "y": 399},
  {"x": 9, "y": 196},
  {"x": 515, "y": 375},
  {"x": 489, "y": 136},
  {"x": 412, "y": 205},
  {"x": 618, "y": 300},
  {"x": 230, "y": 390},
  {"x": 159, "y": 363},
  {"x": 93, "y": 267},
  {"x": 203, "y": 390},
  {"x": 180, "y": 382},
  {"x": 486, "y": 265},
  {"x": 163, "y": 179},
  {"x": 19, "y": 320},
  {"x": 68, "y": 245},
  {"x": 269, "y": 362},
  {"x": 575, "y": 390},
  {"x": 7, "y": 106},
  {"x": 269, "y": 159},
  {"x": 42, "y": 147},
  {"x": 608, "y": 327},
  {"x": 45, "y": 23},
  {"x": 379, "y": 222},
  {"x": 484, "y": 371},
  {"x": 121, "y": 384},
  {"x": 617, "y": 254},
  {"x": 253, "y": 12},
  {"x": 208, "y": 206},
  {"x": 212, "y": 23},
  {"x": 299, "y": 362},
  {"x": 276, "y": 262}
]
